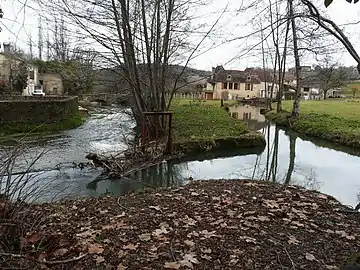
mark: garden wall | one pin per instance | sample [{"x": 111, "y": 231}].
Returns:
[{"x": 30, "y": 109}]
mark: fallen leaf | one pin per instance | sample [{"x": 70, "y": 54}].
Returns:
[
  {"x": 118, "y": 225},
  {"x": 130, "y": 246},
  {"x": 159, "y": 232},
  {"x": 172, "y": 265},
  {"x": 33, "y": 238},
  {"x": 145, "y": 237},
  {"x": 206, "y": 250},
  {"x": 292, "y": 241},
  {"x": 350, "y": 237},
  {"x": 99, "y": 259},
  {"x": 231, "y": 213},
  {"x": 60, "y": 252},
  {"x": 206, "y": 257},
  {"x": 103, "y": 212},
  {"x": 120, "y": 267},
  {"x": 310, "y": 257},
  {"x": 332, "y": 267},
  {"x": 95, "y": 249},
  {"x": 194, "y": 194},
  {"x": 263, "y": 218},
  {"x": 188, "y": 260},
  {"x": 122, "y": 254},
  {"x": 157, "y": 208},
  {"x": 189, "y": 243}
]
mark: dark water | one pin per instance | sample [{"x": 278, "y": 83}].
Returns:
[{"x": 287, "y": 159}]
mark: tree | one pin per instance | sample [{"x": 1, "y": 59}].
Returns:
[
  {"x": 142, "y": 38},
  {"x": 333, "y": 29},
  {"x": 329, "y": 2},
  {"x": 354, "y": 90},
  {"x": 330, "y": 77}
]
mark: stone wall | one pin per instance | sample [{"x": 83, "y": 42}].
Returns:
[{"x": 30, "y": 109}]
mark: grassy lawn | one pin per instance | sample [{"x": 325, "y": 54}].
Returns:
[
  {"x": 203, "y": 126},
  {"x": 344, "y": 109},
  {"x": 205, "y": 122},
  {"x": 336, "y": 121},
  {"x": 347, "y": 90},
  {"x": 203, "y": 102}
]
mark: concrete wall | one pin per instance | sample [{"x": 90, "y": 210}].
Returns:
[{"x": 32, "y": 109}]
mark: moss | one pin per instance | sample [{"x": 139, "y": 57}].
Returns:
[
  {"x": 325, "y": 126},
  {"x": 19, "y": 128}
]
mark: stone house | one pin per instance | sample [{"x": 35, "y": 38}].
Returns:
[
  {"x": 52, "y": 83},
  {"x": 236, "y": 84}
]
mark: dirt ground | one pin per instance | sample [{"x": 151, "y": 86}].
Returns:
[{"x": 218, "y": 224}]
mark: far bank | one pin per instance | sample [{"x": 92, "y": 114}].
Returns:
[{"x": 335, "y": 121}]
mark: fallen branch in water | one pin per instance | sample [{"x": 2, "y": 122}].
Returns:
[{"x": 132, "y": 160}]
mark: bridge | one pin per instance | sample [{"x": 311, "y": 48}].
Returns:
[{"x": 106, "y": 98}]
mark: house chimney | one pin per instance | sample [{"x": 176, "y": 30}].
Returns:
[{"x": 6, "y": 47}]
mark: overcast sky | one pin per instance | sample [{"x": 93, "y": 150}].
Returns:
[{"x": 19, "y": 22}]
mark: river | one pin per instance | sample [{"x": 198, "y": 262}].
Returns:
[{"x": 287, "y": 159}]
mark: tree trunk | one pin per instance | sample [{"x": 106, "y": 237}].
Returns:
[
  {"x": 295, "y": 111},
  {"x": 292, "y": 146}
]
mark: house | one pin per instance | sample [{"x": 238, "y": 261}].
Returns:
[
  {"x": 235, "y": 84},
  {"x": 310, "y": 84},
  {"x": 268, "y": 81},
  {"x": 52, "y": 83}
]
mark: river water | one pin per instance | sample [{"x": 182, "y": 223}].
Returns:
[{"x": 287, "y": 159}]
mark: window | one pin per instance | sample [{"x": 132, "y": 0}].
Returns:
[
  {"x": 306, "y": 89},
  {"x": 230, "y": 85},
  {"x": 269, "y": 88},
  {"x": 248, "y": 78},
  {"x": 229, "y": 77},
  {"x": 41, "y": 82},
  {"x": 236, "y": 86},
  {"x": 32, "y": 75},
  {"x": 252, "y": 87},
  {"x": 225, "y": 85},
  {"x": 248, "y": 86}
]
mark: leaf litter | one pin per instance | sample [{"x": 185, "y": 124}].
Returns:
[{"x": 213, "y": 224}]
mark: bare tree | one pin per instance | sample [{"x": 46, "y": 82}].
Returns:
[
  {"x": 40, "y": 39},
  {"x": 333, "y": 29},
  {"x": 330, "y": 76},
  {"x": 142, "y": 38}
]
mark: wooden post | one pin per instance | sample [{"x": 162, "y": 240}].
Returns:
[
  {"x": 169, "y": 142},
  {"x": 143, "y": 131}
]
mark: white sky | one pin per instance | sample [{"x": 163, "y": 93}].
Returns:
[{"x": 18, "y": 23}]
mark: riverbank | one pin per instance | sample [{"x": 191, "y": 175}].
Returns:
[
  {"x": 335, "y": 121},
  {"x": 10, "y": 130},
  {"x": 217, "y": 224},
  {"x": 205, "y": 126}
]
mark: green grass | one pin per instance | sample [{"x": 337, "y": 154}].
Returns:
[
  {"x": 345, "y": 109},
  {"x": 202, "y": 126},
  {"x": 348, "y": 89},
  {"x": 204, "y": 122},
  {"x": 336, "y": 121},
  {"x": 178, "y": 101},
  {"x": 13, "y": 129}
]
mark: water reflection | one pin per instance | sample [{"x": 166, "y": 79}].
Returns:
[
  {"x": 287, "y": 159},
  {"x": 249, "y": 114}
]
